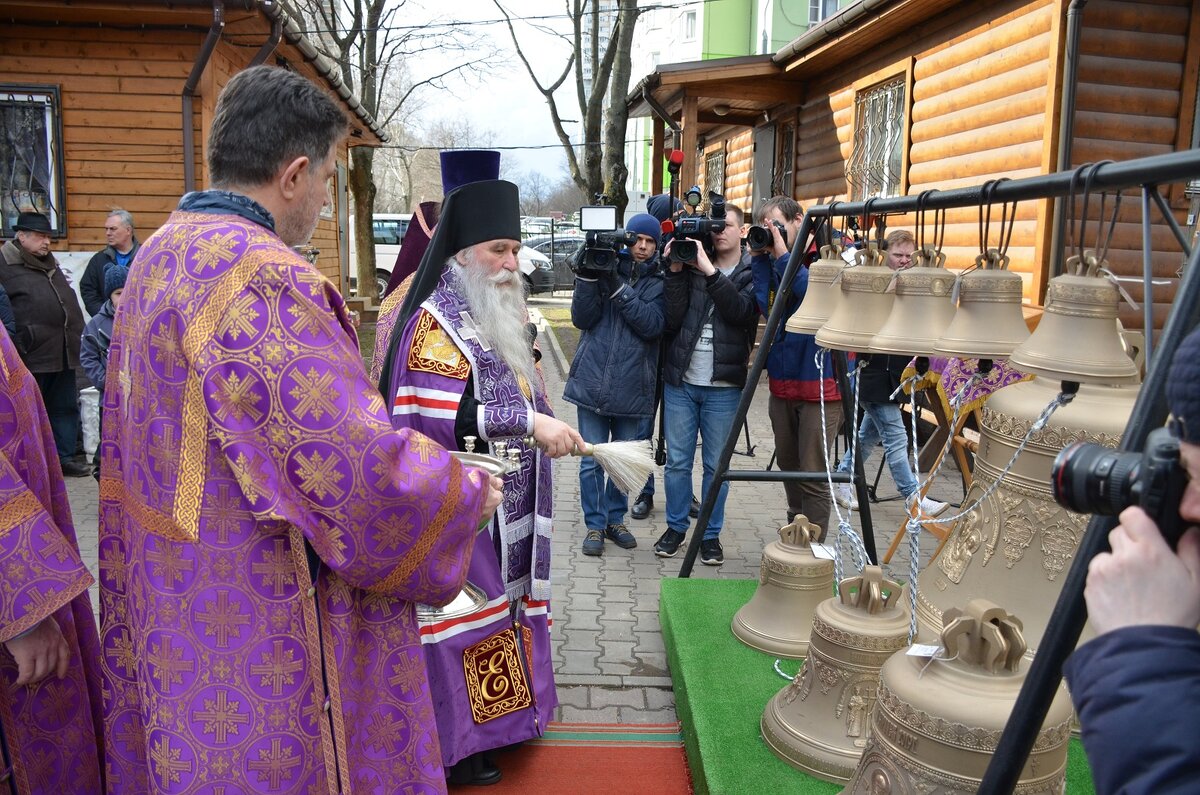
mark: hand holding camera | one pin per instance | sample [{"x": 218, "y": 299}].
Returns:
[{"x": 770, "y": 238}]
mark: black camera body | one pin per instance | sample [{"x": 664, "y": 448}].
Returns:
[
  {"x": 759, "y": 237},
  {"x": 601, "y": 251},
  {"x": 693, "y": 230},
  {"x": 1091, "y": 478}
]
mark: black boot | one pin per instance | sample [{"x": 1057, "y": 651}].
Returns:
[
  {"x": 477, "y": 769},
  {"x": 642, "y": 506}
]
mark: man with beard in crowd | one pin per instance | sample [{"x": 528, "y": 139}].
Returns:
[{"x": 461, "y": 368}]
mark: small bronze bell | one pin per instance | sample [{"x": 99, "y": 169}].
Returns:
[
  {"x": 791, "y": 583},
  {"x": 989, "y": 322},
  {"x": 820, "y": 723},
  {"x": 1077, "y": 338},
  {"x": 864, "y": 306},
  {"x": 922, "y": 310},
  {"x": 937, "y": 722},
  {"x": 821, "y": 296}
]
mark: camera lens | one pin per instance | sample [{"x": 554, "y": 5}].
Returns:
[
  {"x": 683, "y": 251},
  {"x": 1091, "y": 478},
  {"x": 758, "y": 237}
]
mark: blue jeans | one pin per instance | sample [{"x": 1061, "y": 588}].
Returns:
[
  {"x": 884, "y": 422},
  {"x": 689, "y": 409},
  {"x": 602, "y": 502},
  {"x": 647, "y": 432}
]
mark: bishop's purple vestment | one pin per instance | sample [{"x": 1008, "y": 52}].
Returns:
[
  {"x": 239, "y": 423},
  {"x": 53, "y": 728},
  {"x": 490, "y": 671}
]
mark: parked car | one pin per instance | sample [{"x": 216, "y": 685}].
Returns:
[
  {"x": 387, "y": 230},
  {"x": 537, "y": 270},
  {"x": 560, "y": 249}
]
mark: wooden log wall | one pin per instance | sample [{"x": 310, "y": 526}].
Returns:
[{"x": 739, "y": 170}]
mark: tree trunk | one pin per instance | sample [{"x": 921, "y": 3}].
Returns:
[
  {"x": 362, "y": 189},
  {"x": 615, "y": 172}
]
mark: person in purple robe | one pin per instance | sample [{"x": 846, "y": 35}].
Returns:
[
  {"x": 462, "y": 369},
  {"x": 50, "y": 696},
  {"x": 265, "y": 534}
]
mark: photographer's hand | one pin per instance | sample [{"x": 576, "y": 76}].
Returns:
[
  {"x": 703, "y": 263},
  {"x": 778, "y": 246},
  {"x": 675, "y": 267},
  {"x": 1142, "y": 582}
]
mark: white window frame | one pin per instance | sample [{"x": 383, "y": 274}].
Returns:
[
  {"x": 31, "y": 165},
  {"x": 877, "y": 160}
]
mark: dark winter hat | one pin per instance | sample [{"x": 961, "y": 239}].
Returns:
[
  {"x": 660, "y": 204},
  {"x": 32, "y": 222},
  {"x": 460, "y": 166},
  {"x": 644, "y": 224},
  {"x": 1183, "y": 388},
  {"x": 114, "y": 278}
]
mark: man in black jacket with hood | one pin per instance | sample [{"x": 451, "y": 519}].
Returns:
[{"x": 122, "y": 246}]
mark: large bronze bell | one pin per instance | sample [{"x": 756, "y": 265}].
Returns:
[
  {"x": 989, "y": 322},
  {"x": 791, "y": 583},
  {"x": 821, "y": 295},
  {"x": 922, "y": 310},
  {"x": 937, "y": 722},
  {"x": 1016, "y": 546},
  {"x": 1077, "y": 338},
  {"x": 864, "y": 306},
  {"x": 820, "y": 723}
]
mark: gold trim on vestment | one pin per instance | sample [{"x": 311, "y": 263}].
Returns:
[
  {"x": 424, "y": 544},
  {"x": 17, "y": 510}
]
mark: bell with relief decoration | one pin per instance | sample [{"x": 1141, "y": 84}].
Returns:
[
  {"x": 1077, "y": 337},
  {"x": 937, "y": 722},
  {"x": 791, "y": 583},
  {"x": 821, "y": 296},
  {"x": 820, "y": 723},
  {"x": 989, "y": 322},
  {"x": 922, "y": 310},
  {"x": 864, "y": 306},
  {"x": 1014, "y": 548}
]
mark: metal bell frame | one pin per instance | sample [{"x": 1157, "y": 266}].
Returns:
[{"x": 1070, "y": 614}]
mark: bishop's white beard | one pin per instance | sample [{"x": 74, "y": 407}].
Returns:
[{"x": 497, "y": 305}]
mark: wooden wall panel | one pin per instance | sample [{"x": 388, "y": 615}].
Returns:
[{"x": 739, "y": 170}]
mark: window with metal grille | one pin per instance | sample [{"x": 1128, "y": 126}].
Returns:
[
  {"x": 785, "y": 164},
  {"x": 31, "y": 168},
  {"x": 714, "y": 171},
  {"x": 875, "y": 162}
]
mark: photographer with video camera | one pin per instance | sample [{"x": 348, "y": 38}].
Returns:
[
  {"x": 794, "y": 380},
  {"x": 618, "y": 305},
  {"x": 1136, "y": 686},
  {"x": 711, "y": 318}
]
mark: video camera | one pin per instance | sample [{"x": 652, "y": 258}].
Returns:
[
  {"x": 759, "y": 237},
  {"x": 1091, "y": 478},
  {"x": 694, "y": 228},
  {"x": 605, "y": 240}
]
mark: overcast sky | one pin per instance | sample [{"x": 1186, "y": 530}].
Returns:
[{"x": 505, "y": 100}]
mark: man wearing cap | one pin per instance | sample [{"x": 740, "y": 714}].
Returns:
[
  {"x": 462, "y": 371},
  {"x": 50, "y": 696},
  {"x": 265, "y": 534},
  {"x": 1136, "y": 686},
  {"x": 49, "y": 324},
  {"x": 620, "y": 312}
]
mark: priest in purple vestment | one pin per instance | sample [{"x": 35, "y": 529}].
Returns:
[
  {"x": 462, "y": 365},
  {"x": 50, "y": 699},
  {"x": 265, "y": 533}
]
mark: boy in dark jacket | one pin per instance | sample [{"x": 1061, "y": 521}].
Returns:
[
  {"x": 711, "y": 321},
  {"x": 97, "y": 335},
  {"x": 620, "y": 313}
]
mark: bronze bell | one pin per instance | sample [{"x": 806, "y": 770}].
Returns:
[
  {"x": 821, "y": 296},
  {"x": 864, "y": 306},
  {"x": 1015, "y": 548},
  {"x": 1077, "y": 338},
  {"x": 791, "y": 583},
  {"x": 937, "y": 722},
  {"x": 820, "y": 723},
  {"x": 922, "y": 310},
  {"x": 989, "y": 322}
]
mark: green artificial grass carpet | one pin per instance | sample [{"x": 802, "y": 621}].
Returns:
[{"x": 722, "y": 687}]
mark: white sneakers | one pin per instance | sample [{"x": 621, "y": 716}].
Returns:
[
  {"x": 844, "y": 494},
  {"x": 931, "y": 507}
]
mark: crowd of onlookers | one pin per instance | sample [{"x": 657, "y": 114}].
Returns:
[{"x": 41, "y": 312}]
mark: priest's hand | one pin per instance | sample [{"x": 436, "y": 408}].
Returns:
[
  {"x": 40, "y": 653},
  {"x": 495, "y": 495},
  {"x": 555, "y": 437}
]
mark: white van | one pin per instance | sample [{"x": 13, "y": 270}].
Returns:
[{"x": 387, "y": 230}]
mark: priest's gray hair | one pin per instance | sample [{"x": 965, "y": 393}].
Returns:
[
  {"x": 497, "y": 305},
  {"x": 266, "y": 117}
]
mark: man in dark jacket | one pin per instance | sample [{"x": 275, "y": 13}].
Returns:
[
  {"x": 710, "y": 322},
  {"x": 49, "y": 324},
  {"x": 620, "y": 313},
  {"x": 121, "y": 248},
  {"x": 7, "y": 318},
  {"x": 1136, "y": 686}
]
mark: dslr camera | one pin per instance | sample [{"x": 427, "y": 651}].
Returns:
[
  {"x": 605, "y": 240},
  {"x": 1091, "y": 478},
  {"x": 759, "y": 237},
  {"x": 695, "y": 229}
]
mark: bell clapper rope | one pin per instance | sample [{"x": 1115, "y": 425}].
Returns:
[{"x": 844, "y": 528}]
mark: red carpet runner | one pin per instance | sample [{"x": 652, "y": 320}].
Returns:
[{"x": 601, "y": 758}]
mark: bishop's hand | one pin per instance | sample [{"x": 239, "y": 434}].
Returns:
[
  {"x": 39, "y": 653},
  {"x": 555, "y": 437}
]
